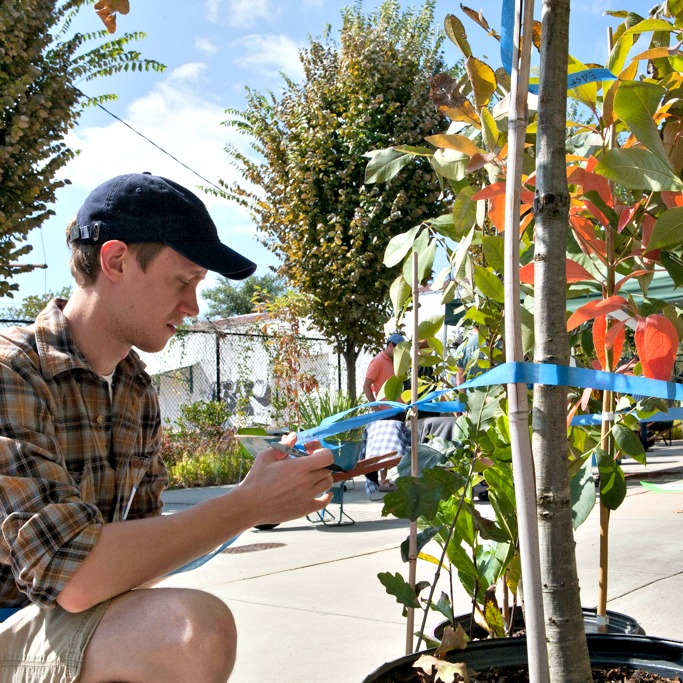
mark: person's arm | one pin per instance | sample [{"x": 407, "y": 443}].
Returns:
[
  {"x": 136, "y": 552},
  {"x": 367, "y": 390}
]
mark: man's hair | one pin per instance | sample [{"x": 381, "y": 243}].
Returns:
[{"x": 85, "y": 258}]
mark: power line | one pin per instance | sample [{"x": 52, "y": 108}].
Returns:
[{"x": 151, "y": 142}]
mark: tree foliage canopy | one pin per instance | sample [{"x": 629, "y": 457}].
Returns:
[
  {"x": 305, "y": 184},
  {"x": 227, "y": 299},
  {"x": 40, "y": 64}
]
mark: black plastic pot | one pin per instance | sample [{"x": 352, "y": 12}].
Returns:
[
  {"x": 618, "y": 623},
  {"x": 644, "y": 653}
]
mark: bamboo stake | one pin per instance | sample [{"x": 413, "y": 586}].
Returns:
[
  {"x": 412, "y": 539},
  {"x": 606, "y": 440},
  {"x": 518, "y": 406}
]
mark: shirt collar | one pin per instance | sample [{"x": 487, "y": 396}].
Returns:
[{"x": 56, "y": 348}]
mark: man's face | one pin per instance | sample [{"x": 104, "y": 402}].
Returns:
[
  {"x": 390, "y": 349},
  {"x": 152, "y": 304}
]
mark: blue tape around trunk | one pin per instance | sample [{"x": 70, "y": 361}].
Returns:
[
  {"x": 507, "y": 373},
  {"x": 574, "y": 80}
]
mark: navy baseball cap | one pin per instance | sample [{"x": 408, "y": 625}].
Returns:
[{"x": 140, "y": 207}]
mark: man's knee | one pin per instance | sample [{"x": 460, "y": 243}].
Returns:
[
  {"x": 163, "y": 634},
  {"x": 202, "y": 633}
]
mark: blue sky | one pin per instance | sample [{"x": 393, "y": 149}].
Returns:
[{"x": 212, "y": 50}]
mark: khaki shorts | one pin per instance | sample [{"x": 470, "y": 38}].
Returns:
[{"x": 46, "y": 645}]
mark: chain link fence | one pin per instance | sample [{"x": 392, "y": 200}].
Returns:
[{"x": 235, "y": 367}]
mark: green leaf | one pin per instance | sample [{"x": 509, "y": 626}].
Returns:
[
  {"x": 397, "y": 586},
  {"x": 402, "y": 360},
  {"x": 489, "y": 284},
  {"x": 399, "y": 246},
  {"x": 456, "y": 33},
  {"x": 674, "y": 266},
  {"x": 612, "y": 480},
  {"x": 636, "y": 103},
  {"x": 629, "y": 443},
  {"x": 494, "y": 251},
  {"x": 420, "y": 497},
  {"x": 464, "y": 211},
  {"x": 429, "y": 327},
  {"x": 423, "y": 537},
  {"x": 385, "y": 164},
  {"x": 399, "y": 292},
  {"x": 638, "y": 169},
  {"x": 668, "y": 230},
  {"x": 582, "y": 489},
  {"x": 393, "y": 388}
]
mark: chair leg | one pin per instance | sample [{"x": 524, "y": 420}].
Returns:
[{"x": 338, "y": 497}]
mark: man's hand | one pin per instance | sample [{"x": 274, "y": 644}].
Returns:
[{"x": 288, "y": 488}]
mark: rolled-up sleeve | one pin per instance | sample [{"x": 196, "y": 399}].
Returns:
[{"x": 46, "y": 529}]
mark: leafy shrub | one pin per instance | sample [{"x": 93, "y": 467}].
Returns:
[
  {"x": 314, "y": 407},
  {"x": 199, "y": 451}
]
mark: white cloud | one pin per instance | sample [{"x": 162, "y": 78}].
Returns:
[
  {"x": 241, "y": 13},
  {"x": 187, "y": 72},
  {"x": 270, "y": 54},
  {"x": 205, "y": 45}
]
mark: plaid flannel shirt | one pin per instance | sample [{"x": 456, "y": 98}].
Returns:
[{"x": 70, "y": 459}]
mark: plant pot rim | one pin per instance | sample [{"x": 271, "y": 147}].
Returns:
[
  {"x": 655, "y": 655},
  {"x": 618, "y": 623}
]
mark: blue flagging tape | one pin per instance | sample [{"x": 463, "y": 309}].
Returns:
[
  {"x": 574, "y": 80},
  {"x": 6, "y": 612},
  {"x": 596, "y": 418},
  {"x": 507, "y": 373},
  {"x": 204, "y": 558}
]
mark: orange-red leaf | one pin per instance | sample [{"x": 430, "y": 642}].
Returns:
[
  {"x": 656, "y": 343},
  {"x": 592, "y": 308},
  {"x": 494, "y": 190},
  {"x": 614, "y": 339},
  {"x": 599, "y": 331},
  {"x": 575, "y": 273},
  {"x": 526, "y": 274},
  {"x": 671, "y": 198},
  {"x": 608, "y": 339}
]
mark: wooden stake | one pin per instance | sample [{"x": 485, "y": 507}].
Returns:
[
  {"x": 518, "y": 406},
  {"x": 412, "y": 539}
]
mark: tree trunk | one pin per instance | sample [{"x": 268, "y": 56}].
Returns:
[
  {"x": 567, "y": 650},
  {"x": 350, "y": 355}
]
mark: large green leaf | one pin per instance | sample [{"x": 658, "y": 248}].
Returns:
[
  {"x": 636, "y": 103},
  {"x": 385, "y": 164},
  {"x": 429, "y": 326},
  {"x": 464, "y": 210},
  {"x": 420, "y": 497},
  {"x": 423, "y": 538},
  {"x": 494, "y": 251},
  {"x": 399, "y": 292},
  {"x": 638, "y": 169},
  {"x": 582, "y": 489},
  {"x": 399, "y": 246},
  {"x": 629, "y": 443},
  {"x": 612, "y": 480},
  {"x": 668, "y": 230},
  {"x": 397, "y": 586},
  {"x": 489, "y": 284}
]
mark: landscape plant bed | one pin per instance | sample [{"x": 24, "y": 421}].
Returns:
[{"x": 614, "y": 658}]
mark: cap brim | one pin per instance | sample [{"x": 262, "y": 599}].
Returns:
[{"x": 217, "y": 257}]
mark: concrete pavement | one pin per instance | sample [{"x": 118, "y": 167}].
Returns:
[{"x": 309, "y": 606}]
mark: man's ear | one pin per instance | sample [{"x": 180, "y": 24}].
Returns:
[{"x": 112, "y": 259}]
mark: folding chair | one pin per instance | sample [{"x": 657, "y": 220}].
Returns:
[{"x": 347, "y": 458}]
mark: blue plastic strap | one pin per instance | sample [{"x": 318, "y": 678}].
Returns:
[
  {"x": 508, "y": 373},
  {"x": 198, "y": 562},
  {"x": 596, "y": 418},
  {"x": 6, "y": 612},
  {"x": 574, "y": 80}
]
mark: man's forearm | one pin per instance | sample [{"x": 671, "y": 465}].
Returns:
[{"x": 130, "y": 554}]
